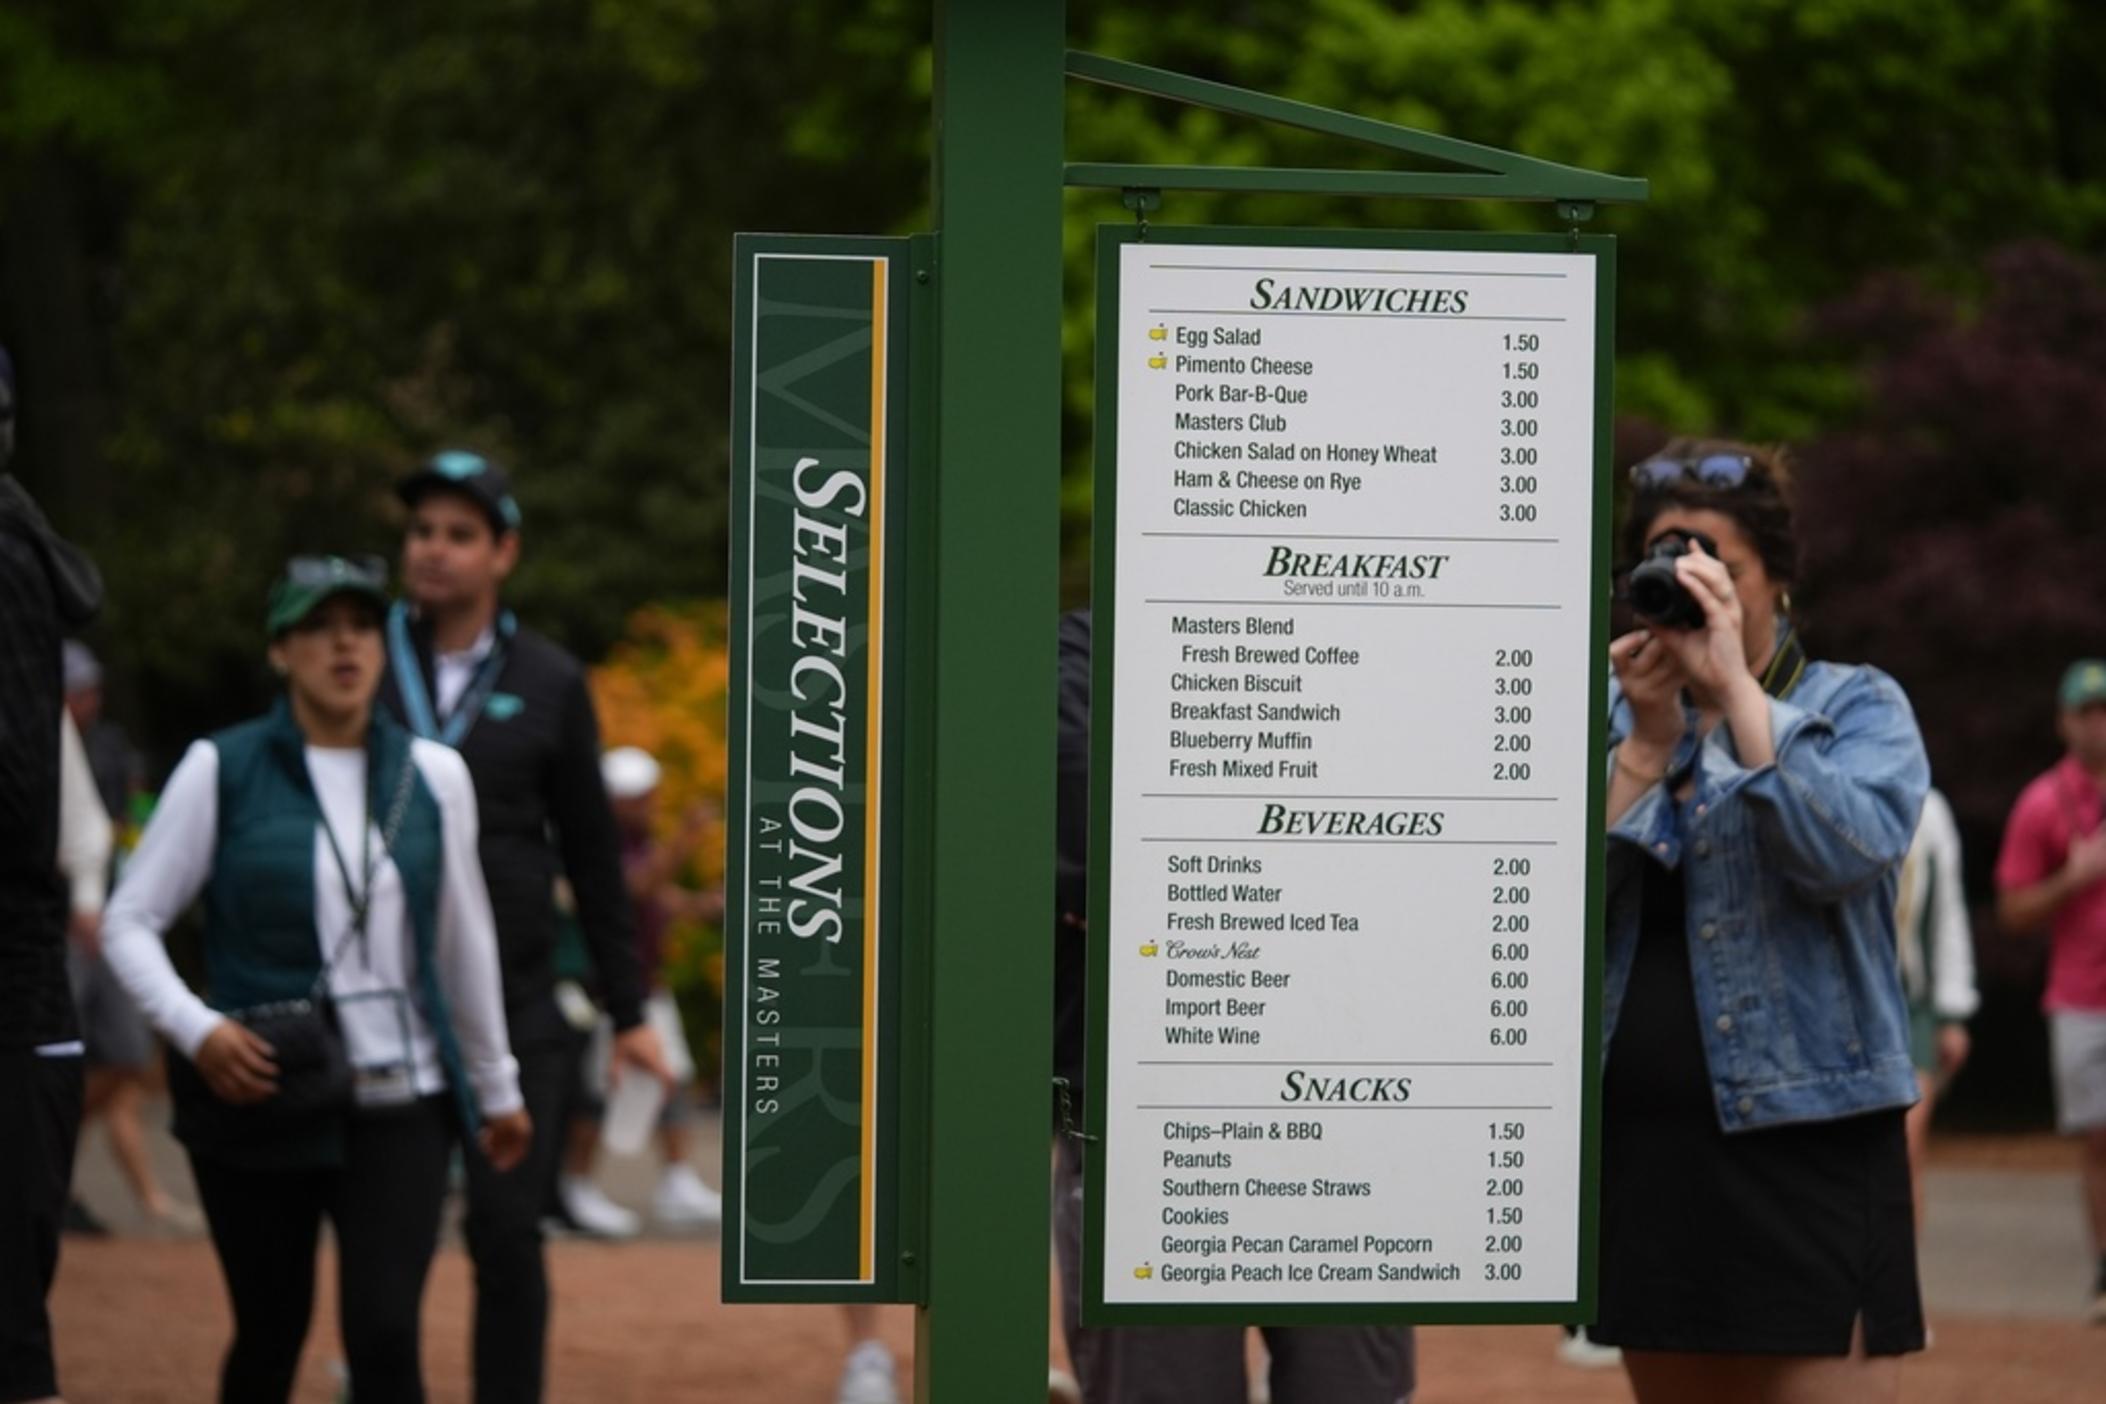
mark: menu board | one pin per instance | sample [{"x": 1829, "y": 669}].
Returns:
[{"x": 1350, "y": 617}]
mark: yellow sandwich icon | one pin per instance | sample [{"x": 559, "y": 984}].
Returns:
[
  {"x": 1158, "y": 362},
  {"x": 1158, "y": 333},
  {"x": 1144, "y": 1272},
  {"x": 1148, "y": 948}
]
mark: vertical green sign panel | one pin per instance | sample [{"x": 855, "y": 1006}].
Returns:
[{"x": 812, "y": 974}]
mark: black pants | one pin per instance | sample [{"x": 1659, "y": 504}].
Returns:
[
  {"x": 504, "y": 1237},
  {"x": 39, "y": 1124},
  {"x": 1206, "y": 1364},
  {"x": 384, "y": 1203}
]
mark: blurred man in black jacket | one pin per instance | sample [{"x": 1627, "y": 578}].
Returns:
[
  {"x": 47, "y": 588},
  {"x": 463, "y": 671}
]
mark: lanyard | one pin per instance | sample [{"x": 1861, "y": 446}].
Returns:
[
  {"x": 416, "y": 693},
  {"x": 359, "y": 894},
  {"x": 361, "y": 901}
]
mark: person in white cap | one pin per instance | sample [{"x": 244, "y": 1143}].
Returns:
[{"x": 651, "y": 867}]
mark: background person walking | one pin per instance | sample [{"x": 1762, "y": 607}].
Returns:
[
  {"x": 2052, "y": 873},
  {"x": 46, "y": 588},
  {"x": 354, "y": 1018},
  {"x": 651, "y": 866},
  {"x": 464, "y": 672},
  {"x": 1937, "y": 971},
  {"x": 119, "y": 1047}
]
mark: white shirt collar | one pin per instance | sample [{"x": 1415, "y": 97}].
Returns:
[{"x": 475, "y": 652}]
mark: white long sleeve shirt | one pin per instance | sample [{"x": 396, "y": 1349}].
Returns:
[
  {"x": 85, "y": 838},
  {"x": 1930, "y": 918},
  {"x": 174, "y": 861}
]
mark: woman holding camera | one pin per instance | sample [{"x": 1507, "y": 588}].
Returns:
[
  {"x": 355, "y": 1018},
  {"x": 1757, "y": 1240}
]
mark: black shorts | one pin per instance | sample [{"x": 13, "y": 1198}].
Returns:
[{"x": 39, "y": 1123}]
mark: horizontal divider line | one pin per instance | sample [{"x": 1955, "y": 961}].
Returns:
[
  {"x": 1446, "y": 799},
  {"x": 1321, "y": 1063},
  {"x": 1421, "y": 843},
  {"x": 1380, "y": 316},
  {"x": 1303, "y": 1108},
  {"x": 1351, "y": 604},
  {"x": 1380, "y": 272},
  {"x": 1335, "y": 536}
]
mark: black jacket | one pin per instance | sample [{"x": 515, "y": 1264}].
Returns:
[
  {"x": 1071, "y": 857},
  {"x": 47, "y": 588},
  {"x": 544, "y": 812}
]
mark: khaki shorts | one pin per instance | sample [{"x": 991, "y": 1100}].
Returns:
[{"x": 2077, "y": 1038}]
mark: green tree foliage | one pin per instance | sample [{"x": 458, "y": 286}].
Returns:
[
  {"x": 348, "y": 233},
  {"x": 1792, "y": 145},
  {"x": 1952, "y": 530},
  {"x": 258, "y": 257}
]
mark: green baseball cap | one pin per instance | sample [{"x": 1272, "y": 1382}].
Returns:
[
  {"x": 2084, "y": 683},
  {"x": 310, "y": 580}
]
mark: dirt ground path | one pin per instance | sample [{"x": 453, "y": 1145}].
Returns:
[
  {"x": 143, "y": 1318},
  {"x": 143, "y": 1321}
]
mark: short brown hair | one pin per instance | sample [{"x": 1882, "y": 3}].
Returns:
[{"x": 1760, "y": 505}]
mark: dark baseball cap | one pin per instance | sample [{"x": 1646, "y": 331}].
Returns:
[
  {"x": 310, "y": 581},
  {"x": 473, "y": 476}
]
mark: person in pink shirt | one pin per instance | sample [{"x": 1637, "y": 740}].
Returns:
[{"x": 2052, "y": 873}]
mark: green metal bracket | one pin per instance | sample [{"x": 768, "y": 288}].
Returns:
[{"x": 1495, "y": 174}]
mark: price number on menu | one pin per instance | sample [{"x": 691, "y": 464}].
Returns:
[
  {"x": 1507, "y": 1004},
  {"x": 1513, "y": 711},
  {"x": 1519, "y": 428},
  {"x": 1506, "y": 1182}
]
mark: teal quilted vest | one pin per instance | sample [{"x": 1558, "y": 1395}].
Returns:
[{"x": 261, "y": 944}]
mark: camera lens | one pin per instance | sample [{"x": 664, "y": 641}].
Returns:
[
  {"x": 1653, "y": 590},
  {"x": 1657, "y": 595}
]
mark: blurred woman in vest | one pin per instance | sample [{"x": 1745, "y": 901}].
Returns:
[{"x": 346, "y": 918}]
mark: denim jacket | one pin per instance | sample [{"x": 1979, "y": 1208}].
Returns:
[{"x": 1789, "y": 875}]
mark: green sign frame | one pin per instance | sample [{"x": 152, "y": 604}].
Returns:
[
  {"x": 816, "y": 988},
  {"x": 1112, "y": 238}
]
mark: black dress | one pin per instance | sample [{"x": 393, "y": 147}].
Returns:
[{"x": 1768, "y": 1242}]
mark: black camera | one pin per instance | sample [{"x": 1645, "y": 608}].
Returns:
[{"x": 1656, "y": 595}]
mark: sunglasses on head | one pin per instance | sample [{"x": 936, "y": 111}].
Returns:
[
  {"x": 1713, "y": 470},
  {"x": 338, "y": 570}
]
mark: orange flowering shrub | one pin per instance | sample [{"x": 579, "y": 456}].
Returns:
[{"x": 665, "y": 688}]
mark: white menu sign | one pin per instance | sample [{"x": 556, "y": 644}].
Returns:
[{"x": 1346, "y": 945}]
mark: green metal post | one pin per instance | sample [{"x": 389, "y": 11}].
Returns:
[{"x": 998, "y": 88}]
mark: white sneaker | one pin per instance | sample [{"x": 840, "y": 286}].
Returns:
[
  {"x": 594, "y": 1212},
  {"x": 1577, "y": 1349},
  {"x": 869, "y": 1377},
  {"x": 683, "y": 1201}
]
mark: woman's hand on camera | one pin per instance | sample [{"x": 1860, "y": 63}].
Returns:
[
  {"x": 504, "y": 1139},
  {"x": 238, "y": 1066},
  {"x": 1652, "y": 681},
  {"x": 1715, "y": 657}
]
